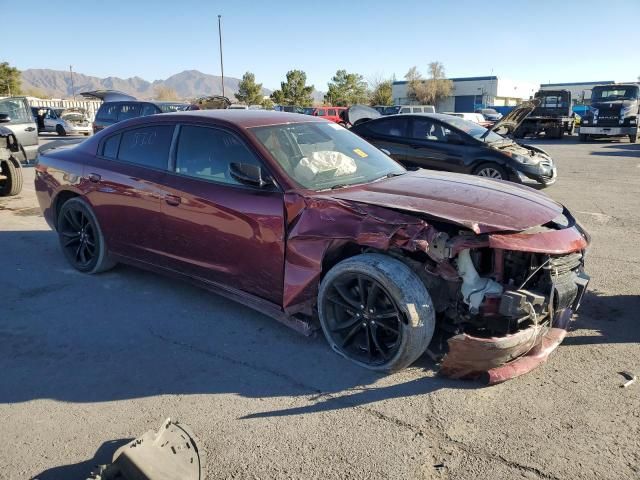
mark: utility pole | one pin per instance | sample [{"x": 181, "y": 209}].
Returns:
[
  {"x": 221, "y": 64},
  {"x": 73, "y": 92}
]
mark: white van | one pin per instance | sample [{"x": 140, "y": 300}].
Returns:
[
  {"x": 417, "y": 109},
  {"x": 472, "y": 117}
]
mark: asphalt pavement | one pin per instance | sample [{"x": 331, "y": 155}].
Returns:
[{"x": 88, "y": 362}]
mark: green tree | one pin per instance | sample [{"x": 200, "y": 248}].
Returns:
[
  {"x": 294, "y": 91},
  {"x": 9, "y": 79},
  {"x": 381, "y": 93},
  {"x": 267, "y": 104},
  {"x": 346, "y": 89},
  {"x": 249, "y": 92}
]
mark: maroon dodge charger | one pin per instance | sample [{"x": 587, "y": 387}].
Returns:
[{"x": 308, "y": 223}]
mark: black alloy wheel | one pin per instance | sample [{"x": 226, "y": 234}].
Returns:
[
  {"x": 362, "y": 318},
  {"x": 78, "y": 237}
]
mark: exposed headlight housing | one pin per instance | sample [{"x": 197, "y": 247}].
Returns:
[{"x": 525, "y": 160}]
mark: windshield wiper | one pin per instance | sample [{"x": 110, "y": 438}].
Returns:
[{"x": 339, "y": 186}]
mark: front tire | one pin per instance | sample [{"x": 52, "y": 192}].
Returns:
[
  {"x": 12, "y": 185},
  {"x": 582, "y": 137},
  {"x": 633, "y": 138},
  {"x": 375, "y": 311},
  {"x": 491, "y": 170},
  {"x": 61, "y": 131},
  {"x": 81, "y": 238}
]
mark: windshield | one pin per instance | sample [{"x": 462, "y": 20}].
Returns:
[
  {"x": 488, "y": 111},
  {"x": 474, "y": 129},
  {"x": 614, "y": 93},
  {"x": 320, "y": 155}
]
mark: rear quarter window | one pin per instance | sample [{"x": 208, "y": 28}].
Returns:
[
  {"x": 147, "y": 146},
  {"x": 108, "y": 112},
  {"x": 129, "y": 110}
]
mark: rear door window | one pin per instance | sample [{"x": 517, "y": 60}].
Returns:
[
  {"x": 147, "y": 146},
  {"x": 332, "y": 112},
  {"x": 321, "y": 112},
  {"x": 417, "y": 110},
  {"x": 390, "y": 127},
  {"x": 110, "y": 146},
  {"x": 128, "y": 110}
]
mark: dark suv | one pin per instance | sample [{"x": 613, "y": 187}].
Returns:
[{"x": 114, "y": 112}]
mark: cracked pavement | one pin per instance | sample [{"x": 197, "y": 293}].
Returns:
[{"x": 88, "y": 362}]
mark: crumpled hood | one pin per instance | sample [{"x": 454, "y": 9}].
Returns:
[{"x": 480, "y": 204}]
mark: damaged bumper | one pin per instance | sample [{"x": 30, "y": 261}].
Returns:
[{"x": 497, "y": 359}]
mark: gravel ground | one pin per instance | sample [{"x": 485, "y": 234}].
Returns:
[{"x": 88, "y": 362}]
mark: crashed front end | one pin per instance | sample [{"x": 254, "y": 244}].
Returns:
[
  {"x": 517, "y": 294},
  {"x": 503, "y": 300}
]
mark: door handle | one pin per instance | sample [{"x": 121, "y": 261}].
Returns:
[
  {"x": 29, "y": 129},
  {"x": 94, "y": 177},
  {"x": 172, "y": 200},
  {"x": 415, "y": 145}
]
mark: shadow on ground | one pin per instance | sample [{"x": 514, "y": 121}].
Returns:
[
  {"x": 82, "y": 470},
  {"x": 131, "y": 334},
  {"x": 619, "y": 150}
]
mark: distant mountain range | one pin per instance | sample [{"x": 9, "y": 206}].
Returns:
[{"x": 186, "y": 84}]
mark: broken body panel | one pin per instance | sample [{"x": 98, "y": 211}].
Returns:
[{"x": 502, "y": 262}]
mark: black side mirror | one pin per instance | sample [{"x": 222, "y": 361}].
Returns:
[
  {"x": 249, "y": 174},
  {"x": 454, "y": 139},
  {"x": 5, "y": 118}
]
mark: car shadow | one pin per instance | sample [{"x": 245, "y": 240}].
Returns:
[
  {"x": 130, "y": 334},
  {"x": 619, "y": 150},
  {"x": 81, "y": 470}
]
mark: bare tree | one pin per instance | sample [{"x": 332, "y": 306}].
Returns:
[
  {"x": 165, "y": 93},
  {"x": 433, "y": 89}
]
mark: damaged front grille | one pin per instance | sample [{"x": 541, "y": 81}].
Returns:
[{"x": 535, "y": 285}]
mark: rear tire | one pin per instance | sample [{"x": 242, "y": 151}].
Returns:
[
  {"x": 633, "y": 138},
  {"x": 582, "y": 137},
  {"x": 60, "y": 130},
  {"x": 375, "y": 311},
  {"x": 81, "y": 238},
  {"x": 12, "y": 185},
  {"x": 491, "y": 170}
]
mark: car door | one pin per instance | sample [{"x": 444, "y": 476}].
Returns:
[
  {"x": 217, "y": 228},
  {"x": 430, "y": 146},
  {"x": 388, "y": 133},
  {"x": 126, "y": 189},
  {"x": 50, "y": 120}
]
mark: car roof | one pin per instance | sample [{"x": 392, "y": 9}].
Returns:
[{"x": 237, "y": 117}]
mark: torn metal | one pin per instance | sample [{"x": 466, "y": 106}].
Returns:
[{"x": 503, "y": 299}]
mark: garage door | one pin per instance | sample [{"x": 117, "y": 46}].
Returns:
[{"x": 464, "y": 103}]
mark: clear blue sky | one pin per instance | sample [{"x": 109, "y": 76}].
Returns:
[{"x": 540, "y": 41}]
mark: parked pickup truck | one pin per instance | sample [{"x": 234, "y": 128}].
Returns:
[
  {"x": 614, "y": 112},
  {"x": 553, "y": 116}
]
